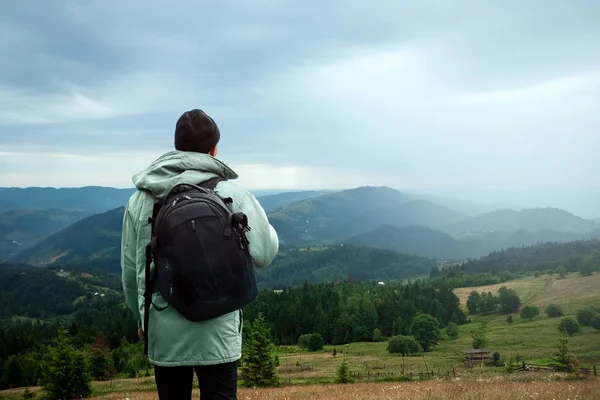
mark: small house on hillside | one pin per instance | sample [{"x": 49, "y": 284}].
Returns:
[{"x": 475, "y": 356}]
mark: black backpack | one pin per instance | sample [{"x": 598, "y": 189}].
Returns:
[{"x": 202, "y": 264}]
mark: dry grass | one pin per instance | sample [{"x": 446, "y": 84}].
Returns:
[
  {"x": 537, "y": 386},
  {"x": 490, "y": 388},
  {"x": 526, "y": 288},
  {"x": 572, "y": 293}
]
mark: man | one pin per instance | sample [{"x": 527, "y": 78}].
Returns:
[{"x": 177, "y": 346}]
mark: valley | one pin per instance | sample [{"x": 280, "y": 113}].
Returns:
[
  {"x": 533, "y": 342},
  {"x": 355, "y": 266}
]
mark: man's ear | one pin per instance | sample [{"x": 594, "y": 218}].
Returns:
[{"x": 213, "y": 152}]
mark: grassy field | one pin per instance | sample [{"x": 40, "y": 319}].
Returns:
[
  {"x": 534, "y": 341},
  {"x": 522, "y": 386}
]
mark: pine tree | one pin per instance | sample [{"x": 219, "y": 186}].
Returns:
[
  {"x": 565, "y": 360},
  {"x": 66, "y": 370},
  {"x": 258, "y": 368},
  {"x": 343, "y": 373}
]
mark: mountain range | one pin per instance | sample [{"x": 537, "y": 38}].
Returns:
[
  {"x": 90, "y": 198},
  {"x": 377, "y": 217},
  {"x": 335, "y": 216}
]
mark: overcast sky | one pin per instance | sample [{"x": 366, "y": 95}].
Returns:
[{"x": 450, "y": 95}]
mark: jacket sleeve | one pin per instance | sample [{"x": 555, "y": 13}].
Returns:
[
  {"x": 264, "y": 242},
  {"x": 129, "y": 264}
]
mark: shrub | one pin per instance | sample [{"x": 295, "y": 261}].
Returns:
[
  {"x": 585, "y": 316},
  {"x": 479, "y": 337},
  {"x": 509, "y": 319},
  {"x": 596, "y": 322},
  {"x": 569, "y": 326},
  {"x": 530, "y": 312},
  {"x": 511, "y": 365},
  {"x": 496, "y": 358},
  {"x": 553, "y": 311},
  {"x": 405, "y": 345},
  {"x": 303, "y": 341},
  {"x": 377, "y": 335},
  {"x": 452, "y": 331},
  {"x": 316, "y": 342}
]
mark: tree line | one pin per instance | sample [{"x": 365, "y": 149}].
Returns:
[
  {"x": 347, "y": 312},
  {"x": 577, "y": 256}
]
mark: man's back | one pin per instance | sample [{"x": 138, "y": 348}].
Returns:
[{"x": 173, "y": 340}]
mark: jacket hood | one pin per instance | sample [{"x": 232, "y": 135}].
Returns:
[{"x": 177, "y": 167}]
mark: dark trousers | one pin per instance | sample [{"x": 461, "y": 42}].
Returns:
[{"x": 217, "y": 382}]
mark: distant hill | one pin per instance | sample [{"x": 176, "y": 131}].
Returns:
[
  {"x": 93, "y": 241},
  {"x": 468, "y": 208},
  {"x": 294, "y": 266},
  {"x": 99, "y": 199},
  {"x": 426, "y": 242},
  {"x": 530, "y": 220},
  {"x": 537, "y": 257},
  {"x": 416, "y": 240},
  {"x": 339, "y": 215},
  {"x": 90, "y": 198},
  {"x": 20, "y": 229},
  {"x": 274, "y": 202}
]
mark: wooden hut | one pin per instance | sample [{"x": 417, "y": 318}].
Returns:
[{"x": 475, "y": 356}]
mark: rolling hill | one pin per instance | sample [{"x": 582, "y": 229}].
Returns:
[
  {"x": 90, "y": 198},
  {"x": 94, "y": 241},
  {"x": 274, "y": 202},
  {"x": 530, "y": 220},
  {"x": 20, "y": 229},
  {"x": 415, "y": 240},
  {"x": 294, "y": 266},
  {"x": 336, "y": 216},
  {"x": 427, "y": 242},
  {"x": 542, "y": 256},
  {"x": 377, "y": 217}
]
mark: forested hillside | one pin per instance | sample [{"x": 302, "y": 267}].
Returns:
[
  {"x": 571, "y": 256},
  {"x": 94, "y": 241},
  {"x": 347, "y": 312},
  {"x": 48, "y": 292},
  {"x": 294, "y": 266},
  {"x": 378, "y": 217},
  {"x": 21, "y": 229}
]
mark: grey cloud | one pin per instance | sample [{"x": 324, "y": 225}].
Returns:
[{"x": 431, "y": 94}]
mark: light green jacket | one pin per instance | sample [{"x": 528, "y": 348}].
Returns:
[{"x": 173, "y": 340}]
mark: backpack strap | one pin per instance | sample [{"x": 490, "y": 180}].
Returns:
[
  {"x": 212, "y": 183},
  {"x": 149, "y": 280}
]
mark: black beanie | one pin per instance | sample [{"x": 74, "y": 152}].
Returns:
[{"x": 196, "y": 131}]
